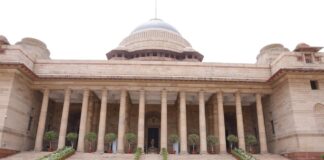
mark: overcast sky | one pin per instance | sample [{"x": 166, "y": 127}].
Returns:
[{"x": 223, "y": 31}]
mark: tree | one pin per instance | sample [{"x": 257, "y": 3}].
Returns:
[
  {"x": 173, "y": 138},
  {"x": 110, "y": 137},
  {"x": 72, "y": 137},
  {"x": 50, "y": 136},
  {"x": 212, "y": 141},
  {"x": 131, "y": 139},
  {"x": 251, "y": 140},
  {"x": 193, "y": 140},
  {"x": 91, "y": 137},
  {"x": 232, "y": 139}
]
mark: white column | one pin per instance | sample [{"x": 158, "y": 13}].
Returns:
[
  {"x": 202, "y": 123},
  {"x": 102, "y": 122},
  {"x": 221, "y": 123},
  {"x": 64, "y": 119},
  {"x": 183, "y": 123},
  {"x": 121, "y": 122},
  {"x": 262, "y": 134},
  {"x": 42, "y": 121},
  {"x": 164, "y": 120},
  {"x": 141, "y": 120},
  {"x": 239, "y": 121},
  {"x": 83, "y": 120}
]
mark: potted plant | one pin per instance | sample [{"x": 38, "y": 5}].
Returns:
[
  {"x": 251, "y": 140},
  {"x": 131, "y": 139},
  {"x": 174, "y": 139},
  {"x": 50, "y": 136},
  {"x": 90, "y": 137},
  {"x": 110, "y": 137},
  {"x": 212, "y": 141},
  {"x": 232, "y": 139},
  {"x": 193, "y": 140},
  {"x": 72, "y": 137}
]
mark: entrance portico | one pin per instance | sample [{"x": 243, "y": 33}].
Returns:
[{"x": 154, "y": 114}]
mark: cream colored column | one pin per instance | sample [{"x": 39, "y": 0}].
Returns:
[
  {"x": 183, "y": 123},
  {"x": 102, "y": 122},
  {"x": 239, "y": 121},
  {"x": 262, "y": 134},
  {"x": 41, "y": 122},
  {"x": 121, "y": 122},
  {"x": 64, "y": 119},
  {"x": 141, "y": 120},
  {"x": 83, "y": 120},
  {"x": 221, "y": 123},
  {"x": 202, "y": 123},
  {"x": 164, "y": 120}
]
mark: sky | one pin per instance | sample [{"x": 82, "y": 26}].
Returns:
[{"x": 226, "y": 31}]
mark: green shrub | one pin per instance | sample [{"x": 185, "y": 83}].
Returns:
[
  {"x": 173, "y": 138},
  {"x": 131, "y": 139},
  {"x": 232, "y": 139},
  {"x": 72, "y": 137},
  {"x": 164, "y": 154},
  {"x": 322, "y": 156},
  {"x": 138, "y": 154},
  {"x": 251, "y": 140},
  {"x": 50, "y": 136},
  {"x": 212, "y": 141},
  {"x": 91, "y": 137},
  {"x": 110, "y": 137},
  {"x": 59, "y": 154},
  {"x": 241, "y": 154},
  {"x": 193, "y": 139}
]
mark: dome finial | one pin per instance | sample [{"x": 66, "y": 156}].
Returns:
[{"x": 155, "y": 9}]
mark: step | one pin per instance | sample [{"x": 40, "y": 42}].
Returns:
[
  {"x": 269, "y": 157},
  {"x": 30, "y": 155}
]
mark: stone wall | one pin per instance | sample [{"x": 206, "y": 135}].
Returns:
[{"x": 23, "y": 106}]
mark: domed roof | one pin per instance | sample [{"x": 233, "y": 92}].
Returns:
[
  {"x": 155, "y": 24},
  {"x": 155, "y": 34}
]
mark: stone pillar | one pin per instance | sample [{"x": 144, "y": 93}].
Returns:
[
  {"x": 141, "y": 120},
  {"x": 202, "y": 123},
  {"x": 183, "y": 123},
  {"x": 83, "y": 120},
  {"x": 221, "y": 123},
  {"x": 262, "y": 134},
  {"x": 239, "y": 121},
  {"x": 64, "y": 119},
  {"x": 121, "y": 122},
  {"x": 102, "y": 122},
  {"x": 41, "y": 122},
  {"x": 214, "y": 112},
  {"x": 164, "y": 120}
]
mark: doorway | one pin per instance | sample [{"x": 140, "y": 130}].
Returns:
[{"x": 153, "y": 135}]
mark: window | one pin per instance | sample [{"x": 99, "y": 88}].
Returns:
[
  {"x": 308, "y": 58},
  {"x": 154, "y": 54},
  {"x": 30, "y": 123},
  {"x": 272, "y": 126},
  {"x": 314, "y": 85}
]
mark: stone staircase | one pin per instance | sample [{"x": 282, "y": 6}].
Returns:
[
  {"x": 269, "y": 157},
  {"x": 100, "y": 156},
  {"x": 30, "y": 155}
]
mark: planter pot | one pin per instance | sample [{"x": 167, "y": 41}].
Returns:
[{"x": 176, "y": 147}]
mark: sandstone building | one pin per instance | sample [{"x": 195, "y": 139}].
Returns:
[{"x": 155, "y": 84}]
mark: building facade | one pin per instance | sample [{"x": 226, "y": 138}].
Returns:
[{"x": 154, "y": 84}]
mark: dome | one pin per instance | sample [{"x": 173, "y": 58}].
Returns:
[
  {"x": 155, "y": 24},
  {"x": 155, "y": 40}
]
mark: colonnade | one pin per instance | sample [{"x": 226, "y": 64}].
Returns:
[{"x": 141, "y": 121}]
